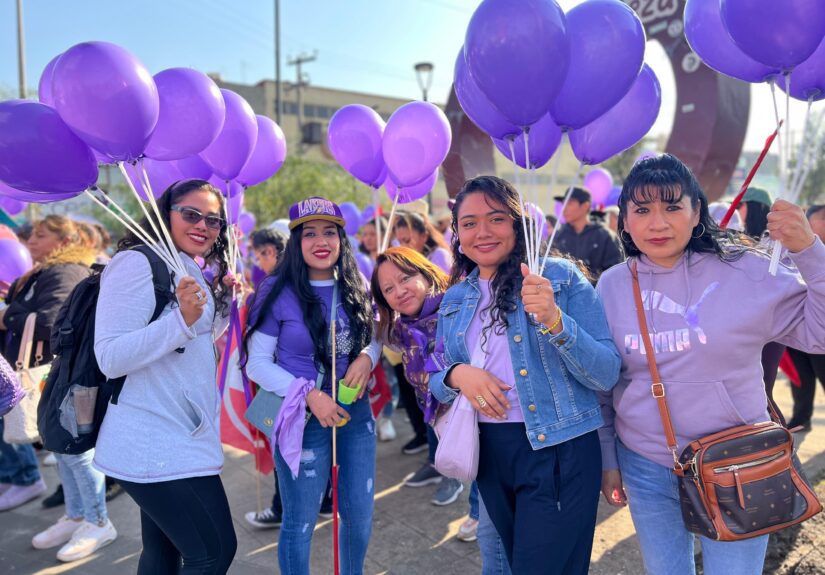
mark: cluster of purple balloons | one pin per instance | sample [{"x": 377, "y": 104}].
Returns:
[
  {"x": 403, "y": 154},
  {"x": 99, "y": 104},
  {"x": 762, "y": 40},
  {"x": 528, "y": 71}
]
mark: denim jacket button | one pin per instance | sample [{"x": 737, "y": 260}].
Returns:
[
  {"x": 541, "y": 437},
  {"x": 523, "y": 373},
  {"x": 531, "y": 407},
  {"x": 517, "y": 339},
  {"x": 561, "y": 342}
]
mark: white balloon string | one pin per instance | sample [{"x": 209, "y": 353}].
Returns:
[
  {"x": 133, "y": 188},
  {"x": 776, "y": 248},
  {"x": 389, "y": 224},
  {"x": 377, "y": 215},
  {"x": 230, "y": 233},
  {"x": 532, "y": 229},
  {"x": 135, "y": 229},
  {"x": 521, "y": 202},
  {"x": 576, "y": 181},
  {"x": 161, "y": 224}
]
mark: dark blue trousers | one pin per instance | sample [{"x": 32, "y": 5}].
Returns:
[{"x": 543, "y": 503}]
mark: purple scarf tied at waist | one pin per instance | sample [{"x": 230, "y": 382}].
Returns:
[{"x": 288, "y": 431}]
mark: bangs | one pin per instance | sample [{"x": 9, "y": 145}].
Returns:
[{"x": 669, "y": 192}]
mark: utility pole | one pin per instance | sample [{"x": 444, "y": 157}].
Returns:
[
  {"x": 21, "y": 49},
  {"x": 279, "y": 106},
  {"x": 299, "y": 61}
]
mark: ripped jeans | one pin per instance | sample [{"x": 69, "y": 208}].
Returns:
[{"x": 302, "y": 496}]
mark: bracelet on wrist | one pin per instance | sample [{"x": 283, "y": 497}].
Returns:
[{"x": 548, "y": 330}]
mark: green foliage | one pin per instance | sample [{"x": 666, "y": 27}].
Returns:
[{"x": 300, "y": 178}]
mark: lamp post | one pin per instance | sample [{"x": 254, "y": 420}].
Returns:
[{"x": 424, "y": 75}]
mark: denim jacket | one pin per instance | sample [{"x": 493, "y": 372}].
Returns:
[{"x": 557, "y": 376}]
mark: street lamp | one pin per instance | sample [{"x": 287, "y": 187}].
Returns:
[{"x": 424, "y": 75}]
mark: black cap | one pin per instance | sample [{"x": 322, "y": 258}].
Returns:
[{"x": 581, "y": 195}]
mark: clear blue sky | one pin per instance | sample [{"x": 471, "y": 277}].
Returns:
[{"x": 363, "y": 45}]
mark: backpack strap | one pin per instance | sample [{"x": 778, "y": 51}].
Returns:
[{"x": 164, "y": 295}]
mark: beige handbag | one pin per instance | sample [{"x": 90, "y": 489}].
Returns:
[{"x": 20, "y": 424}]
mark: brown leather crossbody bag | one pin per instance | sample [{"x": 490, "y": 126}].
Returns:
[{"x": 738, "y": 483}]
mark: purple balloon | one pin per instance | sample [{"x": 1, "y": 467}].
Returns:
[
  {"x": 246, "y": 222},
  {"x": 707, "y": 36},
  {"x": 368, "y": 214},
  {"x": 192, "y": 113},
  {"x": 233, "y": 190},
  {"x": 34, "y": 197},
  {"x": 39, "y": 153},
  {"x": 476, "y": 105},
  {"x": 354, "y": 137},
  {"x": 518, "y": 54},
  {"x": 44, "y": 87},
  {"x": 598, "y": 181},
  {"x": 267, "y": 157},
  {"x": 233, "y": 146},
  {"x": 365, "y": 264},
  {"x": 161, "y": 176},
  {"x": 352, "y": 217},
  {"x": 15, "y": 260},
  {"x": 11, "y": 206},
  {"x": 234, "y": 206},
  {"x": 606, "y": 55},
  {"x": 623, "y": 125},
  {"x": 613, "y": 196},
  {"x": 808, "y": 79},
  {"x": 416, "y": 141},
  {"x": 411, "y": 193},
  {"x": 107, "y": 97},
  {"x": 778, "y": 34},
  {"x": 544, "y": 140},
  {"x": 194, "y": 167}
]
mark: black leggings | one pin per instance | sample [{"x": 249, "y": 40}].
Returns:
[
  {"x": 407, "y": 393},
  {"x": 186, "y": 519}
]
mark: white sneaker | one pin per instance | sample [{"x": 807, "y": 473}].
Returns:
[
  {"x": 57, "y": 534},
  {"x": 50, "y": 460},
  {"x": 87, "y": 539},
  {"x": 17, "y": 495},
  {"x": 386, "y": 430}
]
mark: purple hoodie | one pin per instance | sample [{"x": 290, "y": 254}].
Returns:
[{"x": 709, "y": 321}]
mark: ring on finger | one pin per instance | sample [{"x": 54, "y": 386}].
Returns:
[
  {"x": 200, "y": 296},
  {"x": 481, "y": 401}
]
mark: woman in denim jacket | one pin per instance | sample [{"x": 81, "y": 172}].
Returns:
[{"x": 529, "y": 354}]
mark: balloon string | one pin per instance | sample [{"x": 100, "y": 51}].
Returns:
[
  {"x": 161, "y": 224},
  {"x": 576, "y": 181},
  {"x": 389, "y": 224},
  {"x": 533, "y": 232},
  {"x": 133, "y": 227},
  {"x": 521, "y": 202},
  {"x": 776, "y": 250},
  {"x": 377, "y": 216},
  {"x": 158, "y": 237}
]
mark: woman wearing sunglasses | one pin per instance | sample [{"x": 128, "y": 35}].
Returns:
[
  {"x": 528, "y": 352},
  {"x": 290, "y": 321},
  {"x": 161, "y": 440}
]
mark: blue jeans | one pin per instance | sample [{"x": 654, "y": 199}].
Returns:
[
  {"x": 302, "y": 496},
  {"x": 84, "y": 487},
  {"x": 667, "y": 547},
  {"x": 18, "y": 463},
  {"x": 493, "y": 558}
]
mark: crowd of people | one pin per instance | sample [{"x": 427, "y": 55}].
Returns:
[{"x": 551, "y": 362}]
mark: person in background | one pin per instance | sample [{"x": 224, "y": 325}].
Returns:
[
  {"x": 528, "y": 352},
  {"x": 695, "y": 277},
  {"x": 61, "y": 262},
  {"x": 612, "y": 217},
  {"x": 415, "y": 231},
  {"x": 580, "y": 239},
  {"x": 104, "y": 256},
  {"x": 443, "y": 221},
  {"x": 267, "y": 246},
  {"x": 552, "y": 222},
  {"x": 753, "y": 212},
  {"x": 718, "y": 210},
  {"x": 809, "y": 366}
]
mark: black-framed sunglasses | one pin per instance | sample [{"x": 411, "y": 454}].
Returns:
[{"x": 193, "y": 216}]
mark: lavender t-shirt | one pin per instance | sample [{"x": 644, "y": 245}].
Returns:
[
  {"x": 495, "y": 353},
  {"x": 296, "y": 351}
]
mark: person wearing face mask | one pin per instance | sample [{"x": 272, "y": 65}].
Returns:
[
  {"x": 408, "y": 290},
  {"x": 528, "y": 352},
  {"x": 711, "y": 305},
  {"x": 290, "y": 322},
  {"x": 61, "y": 261},
  {"x": 161, "y": 440}
]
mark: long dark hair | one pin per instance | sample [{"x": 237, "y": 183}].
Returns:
[
  {"x": 374, "y": 223},
  {"x": 423, "y": 225},
  {"x": 506, "y": 284},
  {"x": 666, "y": 178},
  {"x": 292, "y": 272},
  {"x": 216, "y": 254},
  {"x": 756, "y": 220}
]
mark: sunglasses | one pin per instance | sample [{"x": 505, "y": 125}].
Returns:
[{"x": 193, "y": 216}]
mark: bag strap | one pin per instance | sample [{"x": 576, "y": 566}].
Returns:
[
  {"x": 333, "y": 315},
  {"x": 657, "y": 388},
  {"x": 25, "y": 352}
]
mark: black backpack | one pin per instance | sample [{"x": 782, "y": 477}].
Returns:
[{"x": 72, "y": 342}]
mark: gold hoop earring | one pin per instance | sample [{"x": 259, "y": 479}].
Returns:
[{"x": 701, "y": 234}]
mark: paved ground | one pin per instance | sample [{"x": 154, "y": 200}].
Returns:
[{"x": 410, "y": 536}]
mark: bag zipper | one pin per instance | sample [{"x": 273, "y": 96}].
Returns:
[{"x": 735, "y": 470}]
